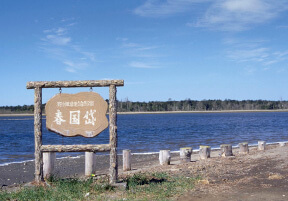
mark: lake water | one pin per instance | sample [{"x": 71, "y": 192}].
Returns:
[{"x": 144, "y": 133}]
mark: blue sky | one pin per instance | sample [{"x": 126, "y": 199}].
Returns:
[{"x": 178, "y": 49}]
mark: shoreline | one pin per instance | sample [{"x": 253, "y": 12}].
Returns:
[
  {"x": 258, "y": 175},
  {"x": 19, "y": 174},
  {"x": 169, "y": 112},
  {"x": 140, "y": 153}
]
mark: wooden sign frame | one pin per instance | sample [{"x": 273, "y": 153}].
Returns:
[{"x": 40, "y": 148}]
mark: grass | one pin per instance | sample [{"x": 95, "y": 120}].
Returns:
[
  {"x": 157, "y": 186},
  {"x": 140, "y": 186},
  {"x": 60, "y": 189}
]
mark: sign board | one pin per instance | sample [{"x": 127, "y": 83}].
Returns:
[{"x": 82, "y": 114}]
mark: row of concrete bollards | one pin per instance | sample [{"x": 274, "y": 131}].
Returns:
[
  {"x": 204, "y": 152},
  {"x": 164, "y": 156}
]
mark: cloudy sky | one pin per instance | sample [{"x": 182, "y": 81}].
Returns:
[{"x": 178, "y": 49}]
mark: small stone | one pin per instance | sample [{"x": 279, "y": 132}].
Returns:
[
  {"x": 204, "y": 181},
  {"x": 275, "y": 176}
]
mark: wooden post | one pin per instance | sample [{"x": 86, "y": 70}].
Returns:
[
  {"x": 185, "y": 154},
  {"x": 38, "y": 134},
  {"x": 164, "y": 157},
  {"x": 261, "y": 145},
  {"x": 48, "y": 163},
  {"x": 126, "y": 160},
  {"x": 39, "y": 148},
  {"x": 79, "y": 83},
  {"x": 204, "y": 152},
  {"x": 90, "y": 166},
  {"x": 113, "y": 172},
  {"x": 243, "y": 148},
  {"x": 76, "y": 148},
  {"x": 226, "y": 150}
]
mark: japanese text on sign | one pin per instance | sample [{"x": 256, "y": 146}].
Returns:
[
  {"x": 75, "y": 104},
  {"x": 77, "y": 114}
]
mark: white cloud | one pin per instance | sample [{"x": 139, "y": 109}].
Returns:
[
  {"x": 250, "y": 70},
  {"x": 70, "y": 70},
  {"x": 224, "y": 15},
  {"x": 57, "y": 36},
  {"x": 145, "y": 53},
  {"x": 244, "y": 55},
  {"x": 239, "y": 15},
  {"x": 75, "y": 65},
  {"x": 61, "y": 31},
  {"x": 58, "y": 40},
  {"x": 121, "y": 39},
  {"x": 136, "y": 64},
  {"x": 90, "y": 55},
  {"x": 254, "y": 51},
  {"x": 59, "y": 45},
  {"x": 139, "y": 50},
  {"x": 129, "y": 44},
  {"x": 72, "y": 66},
  {"x": 156, "y": 8}
]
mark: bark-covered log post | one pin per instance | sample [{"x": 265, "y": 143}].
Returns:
[
  {"x": 282, "y": 144},
  {"x": 261, "y": 145},
  {"x": 112, "y": 146},
  {"x": 226, "y": 150},
  {"x": 164, "y": 157},
  {"x": 76, "y": 148},
  {"x": 38, "y": 135},
  {"x": 243, "y": 148},
  {"x": 48, "y": 163},
  {"x": 90, "y": 167},
  {"x": 113, "y": 172},
  {"x": 185, "y": 154},
  {"x": 204, "y": 152},
  {"x": 126, "y": 160}
]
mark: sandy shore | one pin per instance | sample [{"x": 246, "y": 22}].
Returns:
[
  {"x": 19, "y": 173},
  {"x": 259, "y": 175}
]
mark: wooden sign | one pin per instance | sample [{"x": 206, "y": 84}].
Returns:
[{"x": 82, "y": 114}]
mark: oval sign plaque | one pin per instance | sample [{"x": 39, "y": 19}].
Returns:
[{"x": 82, "y": 114}]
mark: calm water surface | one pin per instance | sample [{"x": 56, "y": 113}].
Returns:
[{"x": 152, "y": 132}]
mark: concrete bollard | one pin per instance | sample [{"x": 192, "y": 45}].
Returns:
[
  {"x": 164, "y": 157},
  {"x": 185, "y": 154},
  {"x": 261, "y": 145},
  {"x": 204, "y": 152},
  {"x": 48, "y": 163},
  {"x": 90, "y": 167},
  {"x": 282, "y": 144},
  {"x": 243, "y": 148},
  {"x": 126, "y": 160},
  {"x": 226, "y": 150}
]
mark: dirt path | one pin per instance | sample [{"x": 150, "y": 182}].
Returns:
[
  {"x": 260, "y": 175},
  {"x": 257, "y": 176}
]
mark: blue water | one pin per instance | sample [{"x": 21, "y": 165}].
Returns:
[{"x": 152, "y": 132}]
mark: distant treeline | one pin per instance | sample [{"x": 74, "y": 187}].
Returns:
[
  {"x": 17, "y": 109},
  {"x": 170, "y": 105},
  {"x": 204, "y": 105}
]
